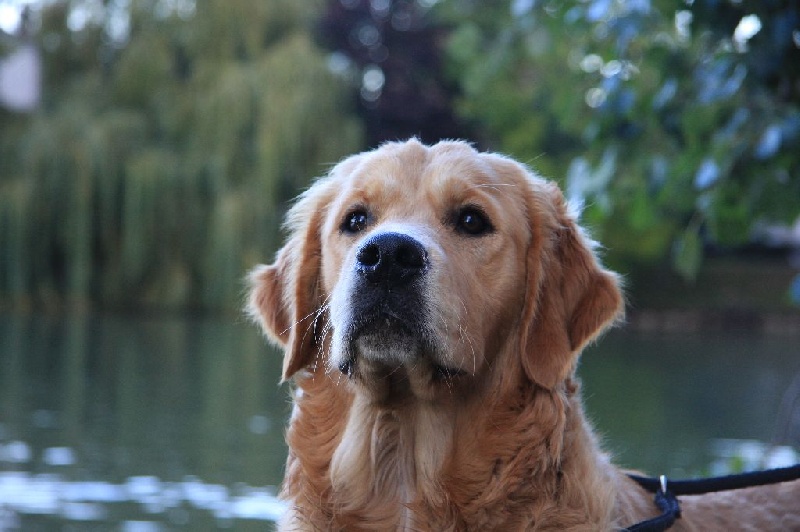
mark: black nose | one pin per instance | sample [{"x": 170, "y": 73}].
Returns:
[{"x": 391, "y": 258}]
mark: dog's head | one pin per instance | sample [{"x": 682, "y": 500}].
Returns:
[{"x": 416, "y": 270}]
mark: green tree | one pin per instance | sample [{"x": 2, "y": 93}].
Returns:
[
  {"x": 170, "y": 138},
  {"x": 675, "y": 124}
]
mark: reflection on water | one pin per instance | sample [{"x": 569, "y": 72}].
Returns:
[
  {"x": 666, "y": 401},
  {"x": 51, "y": 495},
  {"x": 156, "y": 424},
  {"x": 168, "y": 421}
]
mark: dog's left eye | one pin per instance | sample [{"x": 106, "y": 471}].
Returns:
[
  {"x": 355, "y": 221},
  {"x": 473, "y": 221}
]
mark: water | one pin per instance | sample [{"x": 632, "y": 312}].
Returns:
[
  {"x": 144, "y": 425},
  {"x": 687, "y": 404}
]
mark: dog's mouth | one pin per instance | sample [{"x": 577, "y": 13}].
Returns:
[
  {"x": 439, "y": 372},
  {"x": 445, "y": 373},
  {"x": 392, "y": 346}
]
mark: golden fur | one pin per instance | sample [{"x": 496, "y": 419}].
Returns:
[{"x": 472, "y": 421}]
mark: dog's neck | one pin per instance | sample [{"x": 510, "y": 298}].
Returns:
[
  {"x": 404, "y": 468},
  {"x": 389, "y": 457}
]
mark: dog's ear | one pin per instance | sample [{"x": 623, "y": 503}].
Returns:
[
  {"x": 284, "y": 296},
  {"x": 570, "y": 298}
]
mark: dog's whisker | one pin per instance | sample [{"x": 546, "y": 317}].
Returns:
[
  {"x": 471, "y": 345},
  {"x": 326, "y": 329},
  {"x": 312, "y": 326},
  {"x": 464, "y": 306},
  {"x": 466, "y": 339},
  {"x": 500, "y": 188},
  {"x": 395, "y": 370},
  {"x": 493, "y": 186},
  {"x": 316, "y": 312},
  {"x": 445, "y": 322},
  {"x": 448, "y": 381}
]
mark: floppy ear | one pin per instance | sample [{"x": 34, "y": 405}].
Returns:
[
  {"x": 284, "y": 296},
  {"x": 570, "y": 298}
]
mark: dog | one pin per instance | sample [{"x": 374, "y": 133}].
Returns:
[{"x": 432, "y": 302}]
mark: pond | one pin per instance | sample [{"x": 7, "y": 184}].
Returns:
[{"x": 151, "y": 424}]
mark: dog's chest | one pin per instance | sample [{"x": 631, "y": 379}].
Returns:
[{"x": 386, "y": 461}]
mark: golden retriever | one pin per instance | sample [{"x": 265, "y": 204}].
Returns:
[{"x": 432, "y": 302}]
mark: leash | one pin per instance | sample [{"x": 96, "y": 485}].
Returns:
[{"x": 666, "y": 492}]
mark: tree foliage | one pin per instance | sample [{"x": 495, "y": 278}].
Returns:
[
  {"x": 675, "y": 124},
  {"x": 392, "y": 55},
  {"x": 172, "y": 132},
  {"x": 157, "y": 170}
]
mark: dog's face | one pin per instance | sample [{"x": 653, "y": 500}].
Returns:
[
  {"x": 411, "y": 270},
  {"x": 422, "y": 257}
]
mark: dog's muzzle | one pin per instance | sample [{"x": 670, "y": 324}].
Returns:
[
  {"x": 388, "y": 310},
  {"x": 389, "y": 333}
]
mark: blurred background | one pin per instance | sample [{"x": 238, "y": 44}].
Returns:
[{"x": 149, "y": 149}]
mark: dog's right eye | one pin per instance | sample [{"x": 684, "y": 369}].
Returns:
[
  {"x": 355, "y": 221},
  {"x": 472, "y": 221}
]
